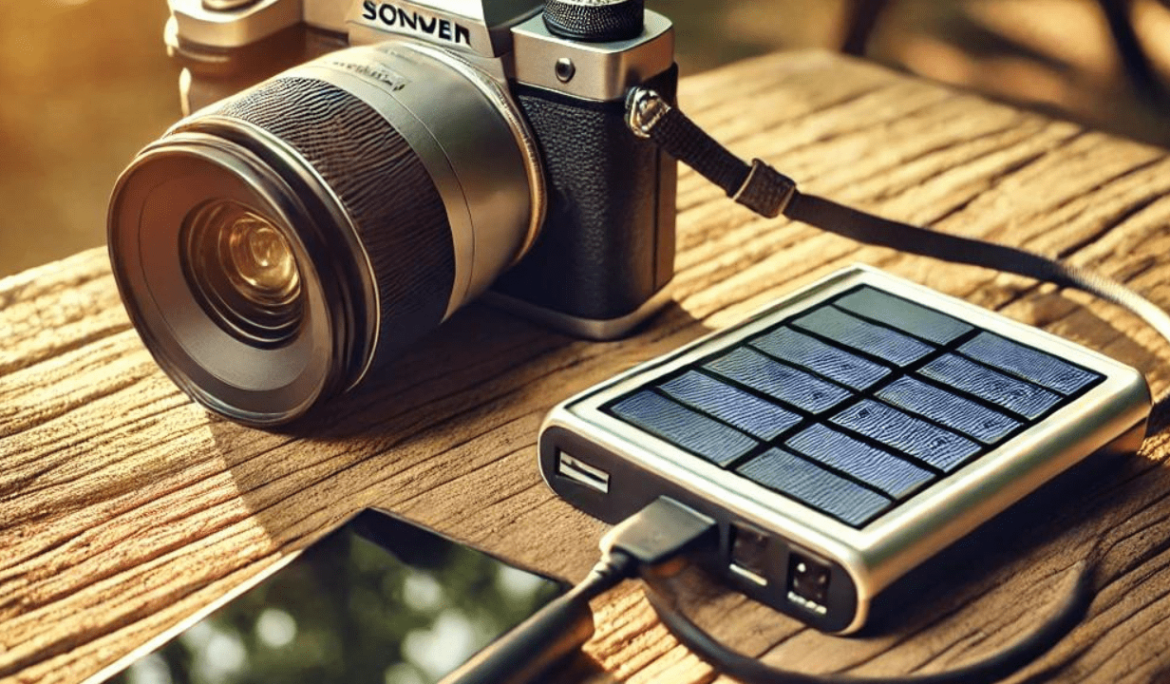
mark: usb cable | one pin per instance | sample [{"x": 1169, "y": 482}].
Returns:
[
  {"x": 658, "y": 542},
  {"x": 657, "y": 539}
]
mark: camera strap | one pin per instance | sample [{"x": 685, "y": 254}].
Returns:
[{"x": 770, "y": 194}]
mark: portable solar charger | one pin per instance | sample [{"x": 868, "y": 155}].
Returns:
[{"x": 842, "y": 436}]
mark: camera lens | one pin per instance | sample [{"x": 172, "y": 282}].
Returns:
[
  {"x": 277, "y": 247},
  {"x": 244, "y": 272}
]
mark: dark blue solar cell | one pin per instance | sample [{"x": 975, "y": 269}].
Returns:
[
  {"x": 796, "y": 387},
  {"x": 873, "y": 339},
  {"x": 970, "y": 418},
  {"x": 1017, "y": 396},
  {"x": 811, "y": 484},
  {"x": 683, "y": 427},
  {"x": 1027, "y": 363},
  {"x": 808, "y": 352},
  {"x": 742, "y": 409},
  {"x": 928, "y": 443},
  {"x": 876, "y": 468},
  {"x": 903, "y": 315}
]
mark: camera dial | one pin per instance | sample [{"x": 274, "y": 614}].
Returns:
[{"x": 595, "y": 21}]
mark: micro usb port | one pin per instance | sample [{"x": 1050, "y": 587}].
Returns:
[{"x": 582, "y": 473}]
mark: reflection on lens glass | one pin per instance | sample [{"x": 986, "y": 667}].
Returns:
[
  {"x": 242, "y": 269},
  {"x": 262, "y": 264}
]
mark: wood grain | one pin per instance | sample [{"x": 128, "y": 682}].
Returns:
[{"x": 125, "y": 507}]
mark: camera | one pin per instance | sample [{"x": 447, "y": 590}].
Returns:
[{"x": 280, "y": 245}]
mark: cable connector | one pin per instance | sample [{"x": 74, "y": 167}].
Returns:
[
  {"x": 661, "y": 536},
  {"x": 658, "y": 537}
]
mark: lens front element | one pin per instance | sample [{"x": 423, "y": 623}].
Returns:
[
  {"x": 262, "y": 265},
  {"x": 244, "y": 271}
]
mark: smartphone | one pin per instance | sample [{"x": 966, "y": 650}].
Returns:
[{"x": 378, "y": 600}]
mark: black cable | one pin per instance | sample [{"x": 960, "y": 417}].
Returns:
[
  {"x": 553, "y": 634},
  {"x": 659, "y": 541},
  {"x": 657, "y": 537},
  {"x": 1068, "y": 614},
  {"x": 661, "y": 535}
]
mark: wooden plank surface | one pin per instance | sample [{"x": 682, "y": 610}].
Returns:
[{"x": 125, "y": 507}]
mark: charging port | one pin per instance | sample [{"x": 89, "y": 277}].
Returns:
[
  {"x": 808, "y": 582},
  {"x": 749, "y": 553},
  {"x": 582, "y": 473}
]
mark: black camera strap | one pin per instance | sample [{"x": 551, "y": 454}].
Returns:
[{"x": 770, "y": 194}]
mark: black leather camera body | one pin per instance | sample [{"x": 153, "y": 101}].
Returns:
[
  {"x": 607, "y": 247},
  {"x": 277, "y": 245}
]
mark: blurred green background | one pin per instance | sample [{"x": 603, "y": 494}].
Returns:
[{"x": 85, "y": 83}]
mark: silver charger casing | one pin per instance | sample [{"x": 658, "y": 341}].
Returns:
[{"x": 611, "y": 469}]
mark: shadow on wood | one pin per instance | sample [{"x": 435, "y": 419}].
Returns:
[{"x": 454, "y": 418}]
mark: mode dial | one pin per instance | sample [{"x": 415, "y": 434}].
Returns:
[{"x": 595, "y": 21}]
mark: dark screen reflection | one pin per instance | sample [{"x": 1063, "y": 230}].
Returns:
[{"x": 376, "y": 601}]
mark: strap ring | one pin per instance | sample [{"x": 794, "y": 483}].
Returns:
[{"x": 644, "y": 109}]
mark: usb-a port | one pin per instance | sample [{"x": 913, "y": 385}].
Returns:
[{"x": 582, "y": 473}]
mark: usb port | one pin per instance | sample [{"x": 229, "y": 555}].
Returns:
[
  {"x": 582, "y": 473},
  {"x": 749, "y": 553}
]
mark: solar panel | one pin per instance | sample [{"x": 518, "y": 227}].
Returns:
[
  {"x": 865, "y": 393},
  {"x": 843, "y": 435}
]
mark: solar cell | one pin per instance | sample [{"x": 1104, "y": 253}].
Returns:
[
  {"x": 744, "y": 410},
  {"x": 903, "y": 315},
  {"x": 1019, "y": 397},
  {"x": 948, "y": 409},
  {"x": 684, "y": 427},
  {"x": 1035, "y": 366},
  {"x": 863, "y": 336},
  {"x": 836, "y": 364},
  {"x": 807, "y": 482},
  {"x": 879, "y": 469},
  {"x": 780, "y": 381}
]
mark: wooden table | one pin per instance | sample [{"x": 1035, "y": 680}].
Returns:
[{"x": 124, "y": 507}]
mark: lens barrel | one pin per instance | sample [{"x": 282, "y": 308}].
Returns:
[{"x": 277, "y": 246}]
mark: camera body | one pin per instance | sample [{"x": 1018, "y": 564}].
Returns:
[
  {"x": 277, "y": 245},
  {"x": 605, "y": 252}
]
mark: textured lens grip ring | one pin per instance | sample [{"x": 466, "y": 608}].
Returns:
[{"x": 392, "y": 203}]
